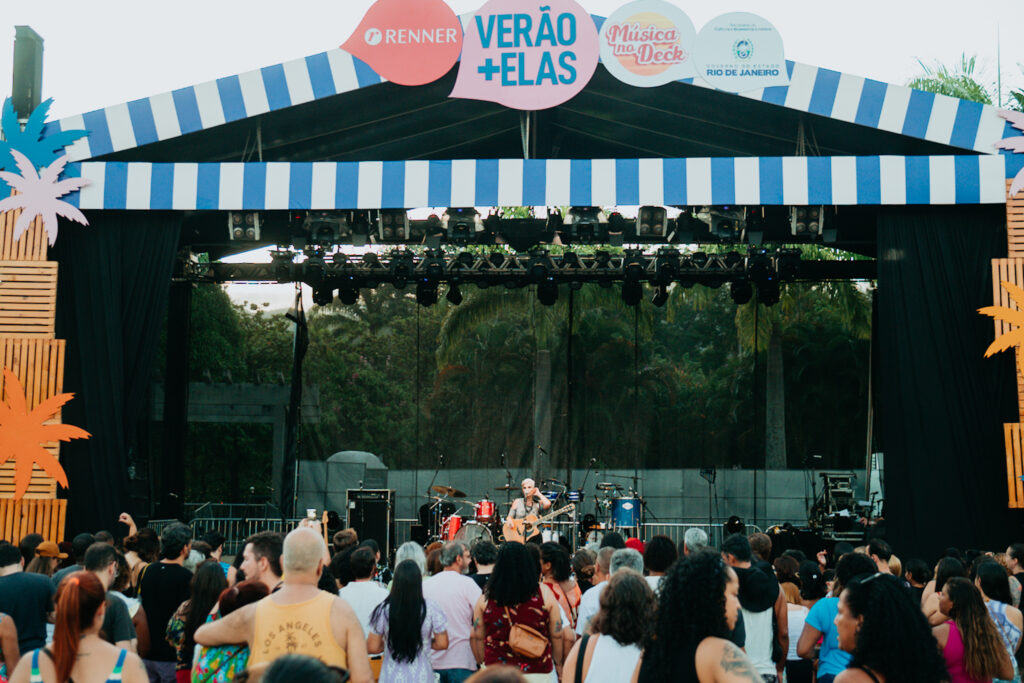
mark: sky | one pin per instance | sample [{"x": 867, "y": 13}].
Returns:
[{"x": 112, "y": 51}]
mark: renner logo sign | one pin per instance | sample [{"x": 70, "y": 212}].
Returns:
[{"x": 409, "y": 43}]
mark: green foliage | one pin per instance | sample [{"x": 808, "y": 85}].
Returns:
[{"x": 960, "y": 81}]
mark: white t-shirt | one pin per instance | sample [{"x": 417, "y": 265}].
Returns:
[
  {"x": 760, "y": 634},
  {"x": 590, "y": 603},
  {"x": 796, "y": 615},
  {"x": 654, "y": 582},
  {"x": 363, "y": 597}
]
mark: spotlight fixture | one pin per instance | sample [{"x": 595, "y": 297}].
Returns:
[
  {"x": 660, "y": 296},
  {"x": 244, "y": 226},
  {"x": 584, "y": 225},
  {"x": 348, "y": 295},
  {"x": 768, "y": 292},
  {"x": 426, "y": 293},
  {"x": 393, "y": 225},
  {"x": 547, "y": 293},
  {"x": 632, "y": 292},
  {"x": 806, "y": 221},
  {"x": 401, "y": 268},
  {"x": 323, "y": 295},
  {"x": 326, "y": 227},
  {"x": 539, "y": 266},
  {"x": 666, "y": 265},
  {"x": 651, "y": 222},
  {"x": 461, "y": 224},
  {"x": 725, "y": 222},
  {"x": 741, "y": 291},
  {"x": 787, "y": 263},
  {"x": 454, "y": 295},
  {"x": 634, "y": 264}
]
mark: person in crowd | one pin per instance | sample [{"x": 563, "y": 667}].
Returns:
[
  {"x": 261, "y": 558},
  {"x": 1015, "y": 587},
  {"x": 787, "y": 571},
  {"x": 812, "y": 589},
  {"x": 1015, "y": 561},
  {"x": 48, "y": 555},
  {"x": 969, "y": 641},
  {"x": 761, "y": 548},
  {"x": 340, "y": 568},
  {"x": 513, "y": 597},
  {"x": 26, "y": 598},
  {"x": 880, "y": 552},
  {"x": 363, "y": 594},
  {"x": 696, "y": 648},
  {"x": 820, "y": 626},
  {"x": 216, "y": 541},
  {"x": 484, "y": 554},
  {"x": 140, "y": 550},
  {"x": 203, "y": 549},
  {"x": 434, "y": 565},
  {"x": 799, "y": 555},
  {"x": 383, "y": 574},
  {"x": 556, "y": 574},
  {"x": 658, "y": 557},
  {"x": 207, "y": 585},
  {"x": 583, "y": 565},
  {"x": 411, "y": 550},
  {"x": 163, "y": 587},
  {"x": 223, "y": 663},
  {"x": 882, "y": 628},
  {"x": 27, "y": 547},
  {"x": 895, "y": 566},
  {"x": 918, "y": 574},
  {"x": 346, "y": 538},
  {"x": 501, "y": 673},
  {"x": 9, "y": 652},
  {"x": 456, "y": 594},
  {"x": 761, "y": 602},
  {"x": 117, "y": 629},
  {"x": 103, "y": 536},
  {"x": 622, "y": 625},
  {"x": 298, "y": 617},
  {"x": 590, "y": 603},
  {"x": 636, "y": 544},
  {"x": 79, "y": 544},
  {"x": 991, "y": 579},
  {"x": 119, "y": 589},
  {"x": 290, "y": 668},
  {"x": 613, "y": 539},
  {"x": 406, "y": 627},
  {"x": 946, "y": 569},
  {"x": 694, "y": 540},
  {"x": 79, "y": 654}
]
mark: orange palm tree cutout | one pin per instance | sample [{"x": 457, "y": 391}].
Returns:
[
  {"x": 23, "y": 433},
  {"x": 1014, "y": 316}
]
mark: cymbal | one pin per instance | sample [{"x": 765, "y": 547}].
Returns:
[
  {"x": 448, "y": 491},
  {"x": 507, "y": 487},
  {"x": 607, "y": 486}
]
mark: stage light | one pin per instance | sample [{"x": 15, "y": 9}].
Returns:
[
  {"x": 326, "y": 227},
  {"x": 660, "y": 296},
  {"x": 699, "y": 259},
  {"x": 547, "y": 293},
  {"x": 616, "y": 229},
  {"x": 651, "y": 221},
  {"x": 461, "y": 224},
  {"x": 632, "y": 292},
  {"x": 666, "y": 265},
  {"x": 401, "y": 268},
  {"x": 323, "y": 295},
  {"x": 806, "y": 221},
  {"x": 759, "y": 265},
  {"x": 768, "y": 292},
  {"x": 724, "y": 222},
  {"x": 571, "y": 260},
  {"x": 753, "y": 229},
  {"x": 348, "y": 295},
  {"x": 454, "y": 295},
  {"x": 426, "y": 293},
  {"x": 584, "y": 225},
  {"x": 283, "y": 260},
  {"x": 787, "y": 263},
  {"x": 393, "y": 225},
  {"x": 539, "y": 266},
  {"x": 741, "y": 291},
  {"x": 244, "y": 226}
]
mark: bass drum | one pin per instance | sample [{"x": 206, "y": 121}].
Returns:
[{"x": 471, "y": 532}]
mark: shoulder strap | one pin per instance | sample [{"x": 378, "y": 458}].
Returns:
[
  {"x": 35, "y": 665},
  {"x": 580, "y": 656},
  {"x": 869, "y": 672}
]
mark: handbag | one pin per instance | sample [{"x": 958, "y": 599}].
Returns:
[{"x": 525, "y": 641}]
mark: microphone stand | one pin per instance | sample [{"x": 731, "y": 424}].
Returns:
[{"x": 435, "y": 521}]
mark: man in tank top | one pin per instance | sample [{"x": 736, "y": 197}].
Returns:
[{"x": 297, "y": 619}]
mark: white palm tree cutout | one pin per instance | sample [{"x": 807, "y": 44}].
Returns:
[
  {"x": 39, "y": 195},
  {"x": 1014, "y": 144}
]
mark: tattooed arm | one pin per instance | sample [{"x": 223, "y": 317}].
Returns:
[{"x": 719, "y": 661}]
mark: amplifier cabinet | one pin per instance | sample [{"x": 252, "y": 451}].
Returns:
[{"x": 371, "y": 514}]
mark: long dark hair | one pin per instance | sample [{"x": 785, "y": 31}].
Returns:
[
  {"x": 947, "y": 568},
  {"x": 514, "y": 578},
  {"x": 80, "y": 597},
  {"x": 405, "y": 609},
  {"x": 558, "y": 557},
  {"x": 995, "y": 582},
  {"x": 895, "y": 639},
  {"x": 691, "y": 607},
  {"x": 983, "y": 646},
  {"x": 207, "y": 585}
]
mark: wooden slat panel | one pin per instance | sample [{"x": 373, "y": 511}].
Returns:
[
  {"x": 1014, "y": 223},
  {"x": 45, "y": 517},
  {"x": 38, "y": 364},
  {"x": 31, "y": 245},
  {"x": 1014, "y": 465},
  {"x": 32, "y": 287}
]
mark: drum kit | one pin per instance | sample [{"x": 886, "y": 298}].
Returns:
[{"x": 449, "y": 517}]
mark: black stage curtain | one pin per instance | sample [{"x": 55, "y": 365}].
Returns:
[
  {"x": 113, "y": 280},
  {"x": 942, "y": 404}
]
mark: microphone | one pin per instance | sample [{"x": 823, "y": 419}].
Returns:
[
  {"x": 593, "y": 461},
  {"x": 541, "y": 449},
  {"x": 440, "y": 459},
  {"x": 502, "y": 459}
]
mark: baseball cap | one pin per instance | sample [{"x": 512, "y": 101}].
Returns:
[{"x": 49, "y": 549}]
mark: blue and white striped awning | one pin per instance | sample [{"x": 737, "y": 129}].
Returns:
[
  {"x": 872, "y": 180},
  {"x": 853, "y": 99}
]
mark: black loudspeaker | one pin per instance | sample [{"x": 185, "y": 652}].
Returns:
[
  {"x": 370, "y": 514},
  {"x": 28, "y": 71}
]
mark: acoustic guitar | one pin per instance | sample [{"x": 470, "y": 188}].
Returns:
[{"x": 521, "y": 530}]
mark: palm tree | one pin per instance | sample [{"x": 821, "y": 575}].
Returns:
[{"x": 960, "y": 81}]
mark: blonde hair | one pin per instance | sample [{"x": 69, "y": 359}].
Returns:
[
  {"x": 895, "y": 566},
  {"x": 303, "y": 551}
]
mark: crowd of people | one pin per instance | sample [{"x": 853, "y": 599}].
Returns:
[{"x": 168, "y": 608}]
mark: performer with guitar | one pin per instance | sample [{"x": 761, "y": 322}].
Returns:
[{"x": 533, "y": 502}]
